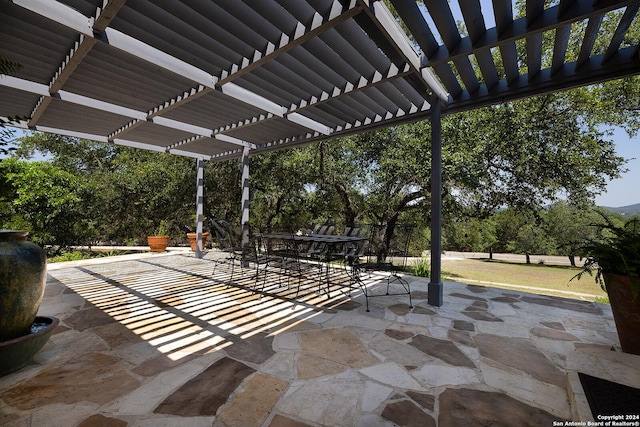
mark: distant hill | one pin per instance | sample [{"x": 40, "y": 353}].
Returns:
[{"x": 626, "y": 210}]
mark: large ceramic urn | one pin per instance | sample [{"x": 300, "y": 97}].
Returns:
[{"x": 22, "y": 280}]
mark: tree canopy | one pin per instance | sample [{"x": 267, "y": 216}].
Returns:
[{"x": 517, "y": 157}]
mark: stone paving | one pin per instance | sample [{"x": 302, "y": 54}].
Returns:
[{"x": 161, "y": 341}]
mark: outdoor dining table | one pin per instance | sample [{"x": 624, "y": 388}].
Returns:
[{"x": 330, "y": 242}]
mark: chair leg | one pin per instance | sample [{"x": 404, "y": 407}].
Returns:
[
  {"x": 404, "y": 283},
  {"x": 257, "y": 278},
  {"x": 357, "y": 280}
]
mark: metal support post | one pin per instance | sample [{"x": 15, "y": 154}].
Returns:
[
  {"x": 245, "y": 204},
  {"x": 435, "y": 285},
  {"x": 199, "y": 206}
]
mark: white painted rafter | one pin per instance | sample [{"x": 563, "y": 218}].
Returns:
[
  {"x": 548, "y": 20},
  {"x": 79, "y": 51},
  {"x": 386, "y": 23},
  {"x": 303, "y": 32},
  {"x": 335, "y": 94},
  {"x": 70, "y": 18},
  {"x": 65, "y": 132},
  {"x": 138, "y": 117}
]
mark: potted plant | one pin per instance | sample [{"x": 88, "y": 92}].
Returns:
[
  {"x": 615, "y": 260},
  {"x": 193, "y": 236},
  {"x": 159, "y": 241},
  {"x": 193, "y": 239}
]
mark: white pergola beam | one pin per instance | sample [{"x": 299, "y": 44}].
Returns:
[
  {"x": 70, "y": 18},
  {"x": 135, "y": 144},
  {"x": 308, "y": 123},
  {"x": 241, "y": 94},
  {"x": 59, "y": 13},
  {"x": 387, "y": 24},
  {"x": 155, "y": 56},
  {"x": 64, "y": 132},
  {"x": 303, "y": 32},
  {"x": 504, "y": 37},
  {"x": 139, "y": 116},
  {"x": 232, "y": 140},
  {"x": 108, "y": 107},
  {"x": 189, "y": 154}
]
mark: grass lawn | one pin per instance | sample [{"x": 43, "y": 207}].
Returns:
[{"x": 535, "y": 278}]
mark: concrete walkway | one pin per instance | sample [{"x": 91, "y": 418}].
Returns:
[{"x": 164, "y": 340}]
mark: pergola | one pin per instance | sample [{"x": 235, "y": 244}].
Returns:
[{"x": 222, "y": 79}]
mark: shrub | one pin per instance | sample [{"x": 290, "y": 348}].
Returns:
[
  {"x": 422, "y": 268},
  {"x": 71, "y": 256}
]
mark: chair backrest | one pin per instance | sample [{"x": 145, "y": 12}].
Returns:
[
  {"x": 357, "y": 250},
  {"x": 385, "y": 249},
  {"x": 399, "y": 247},
  {"x": 224, "y": 234}
]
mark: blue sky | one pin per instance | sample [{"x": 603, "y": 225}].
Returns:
[{"x": 626, "y": 190}]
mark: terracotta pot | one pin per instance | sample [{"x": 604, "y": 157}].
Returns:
[
  {"x": 192, "y": 239},
  {"x": 626, "y": 310},
  {"x": 23, "y": 271},
  {"x": 158, "y": 243}
]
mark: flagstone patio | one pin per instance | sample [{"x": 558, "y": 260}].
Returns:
[{"x": 158, "y": 340}]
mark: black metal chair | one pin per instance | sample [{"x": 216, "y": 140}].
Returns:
[
  {"x": 385, "y": 256},
  {"x": 315, "y": 250},
  {"x": 270, "y": 254},
  {"x": 228, "y": 243}
]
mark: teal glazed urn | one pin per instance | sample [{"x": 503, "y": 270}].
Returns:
[{"x": 23, "y": 271}]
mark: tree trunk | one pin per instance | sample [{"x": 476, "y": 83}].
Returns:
[
  {"x": 386, "y": 231},
  {"x": 350, "y": 213},
  {"x": 528, "y": 258},
  {"x": 572, "y": 260},
  {"x": 380, "y": 239},
  {"x": 491, "y": 252}
]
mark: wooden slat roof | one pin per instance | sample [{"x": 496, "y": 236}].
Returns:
[{"x": 205, "y": 78}]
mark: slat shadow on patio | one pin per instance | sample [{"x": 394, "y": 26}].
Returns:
[{"x": 159, "y": 340}]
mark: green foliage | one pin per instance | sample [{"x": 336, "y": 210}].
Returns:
[
  {"x": 422, "y": 268},
  {"x": 528, "y": 153},
  {"x": 617, "y": 251},
  {"x": 8, "y": 66},
  {"x": 126, "y": 192},
  {"x": 7, "y": 136},
  {"x": 162, "y": 229},
  {"x": 279, "y": 194},
  {"x": 470, "y": 234},
  {"x": 602, "y": 300},
  {"x": 530, "y": 239},
  {"x": 40, "y": 198},
  {"x": 65, "y": 256},
  {"x": 569, "y": 227}
]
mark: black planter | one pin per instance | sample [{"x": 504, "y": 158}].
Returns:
[
  {"x": 18, "y": 352},
  {"x": 22, "y": 279}
]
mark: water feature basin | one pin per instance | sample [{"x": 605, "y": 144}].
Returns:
[{"x": 18, "y": 352}]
